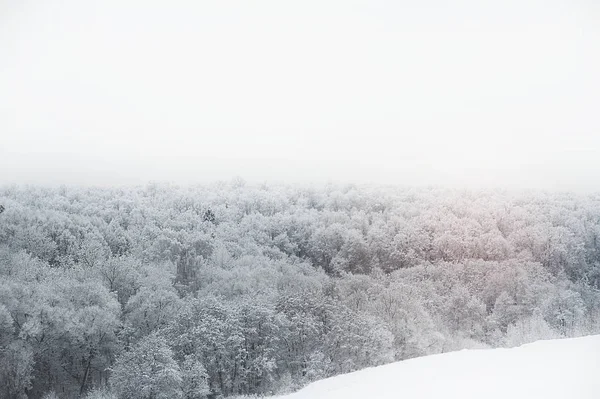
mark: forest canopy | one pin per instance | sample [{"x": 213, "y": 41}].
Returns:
[{"x": 228, "y": 289}]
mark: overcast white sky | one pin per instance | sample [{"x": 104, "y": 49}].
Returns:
[{"x": 501, "y": 93}]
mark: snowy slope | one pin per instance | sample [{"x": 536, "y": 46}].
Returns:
[{"x": 567, "y": 368}]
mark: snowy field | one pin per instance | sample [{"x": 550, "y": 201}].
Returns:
[{"x": 567, "y": 368}]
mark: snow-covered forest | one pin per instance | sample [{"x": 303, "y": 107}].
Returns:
[{"x": 234, "y": 289}]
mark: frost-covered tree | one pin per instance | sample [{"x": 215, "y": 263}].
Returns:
[
  {"x": 194, "y": 378},
  {"x": 147, "y": 371}
]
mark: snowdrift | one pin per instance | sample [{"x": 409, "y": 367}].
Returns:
[{"x": 566, "y": 368}]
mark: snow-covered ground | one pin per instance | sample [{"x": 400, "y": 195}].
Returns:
[{"x": 565, "y": 369}]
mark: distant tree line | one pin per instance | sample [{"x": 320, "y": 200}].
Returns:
[{"x": 232, "y": 289}]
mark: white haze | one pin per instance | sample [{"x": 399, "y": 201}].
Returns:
[{"x": 492, "y": 93}]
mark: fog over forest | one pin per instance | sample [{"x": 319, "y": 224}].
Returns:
[
  {"x": 235, "y": 199},
  {"x": 463, "y": 93}
]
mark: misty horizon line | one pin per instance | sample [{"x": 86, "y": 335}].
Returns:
[{"x": 302, "y": 184}]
